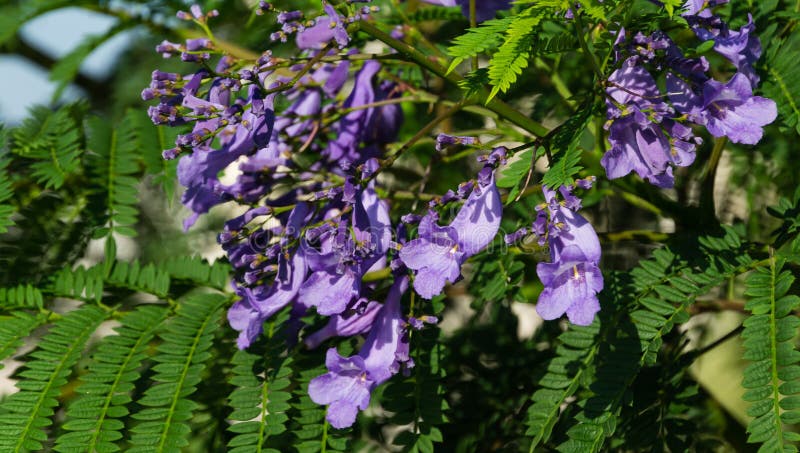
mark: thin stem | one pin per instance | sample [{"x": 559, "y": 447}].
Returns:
[
  {"x": 723, "y": 339},
  {"x": 495, "y": 105},
  {"x": 473, "y": 23},
  {"x": 385, "y": 163},
  {"x": 585, "y": 46},
  {"x": 707, "y": 207},
  {"x": 558, "y": 83},
  {"x": 299, "y": 75}
]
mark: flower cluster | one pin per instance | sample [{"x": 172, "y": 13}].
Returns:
[
  {"x": 439, "y": 252},
  {"x": 313, "y": 225},
  {"x": 650, "y": 132},
  {"x": 572, "y": 278}
]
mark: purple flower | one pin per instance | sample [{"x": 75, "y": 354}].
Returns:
[
  {"x": 643, "y": 138},
  {"x": 700, "y": 8},
  {"x": 354, "y": 128},
  {"x": 728, "y": 109},
  {"x": 484, "y": 9},
  {"x": 571, "y": 287},
  {"x": 199, "y": 171},
  {"x": 439, "y": 252},
  {"x": 325, "y": 29},
  {"x": 571, "y": 279},
  {"x": 742, "y": 47},
  {"x": 445, "y": 140},
  {"x": 352, "y": 322},
  {"x": 347, "y": 386},
  {"x": 346, "y": 255},
  {"x": 259, "y": 303}
]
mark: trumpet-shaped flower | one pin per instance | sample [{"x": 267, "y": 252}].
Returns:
[{"x": 347, "y": 385}]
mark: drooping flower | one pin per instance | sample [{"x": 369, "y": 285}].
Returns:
[
  {"x": 644, "y": 139},
  {"x": 741, "y": 47},
  {"x": 261, "y": 302},
  {"x": 347, "y": 386},
  {"x": 353, "y": 322},
  {"x": 243, "y": 135},
  {"x": 330, "y": 27},
  {"x": 439, "y": 252},
  {"x": 445, "y": 140},
  {"x": 346, "y": 255},
  {"x": 572, "y": 278},
  {"x": 725, "y": 109},
  {"x": 364, "y": 128}
]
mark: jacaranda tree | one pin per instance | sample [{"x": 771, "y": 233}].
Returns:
[{"x": 367, "y": 168}]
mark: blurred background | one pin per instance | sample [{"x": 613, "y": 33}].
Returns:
[{"x": 25, "y": 69}]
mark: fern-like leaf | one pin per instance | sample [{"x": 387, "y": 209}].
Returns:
[
  {"x": 115, "y": 162},
  {"x": 79, "y": 283},
  {"x": 435, "y": 13},
  {"x": 513, "y": 55},
  {"x": 153, "y": 140},
  {"x": 478, "y": 40},
  {"x": 198, "y": 271},
  {"x": 22, "y": 296},
  {"x": 52, "y": 141},
  {"x": 772, "y": 379},
  {"x": 181, "y": 358},
  {"x": 13, "y": 331},
  {"x": 147, "y": 278},
  {"x": 93, "y": 418},
  {"x": 261, "y": 376},
  {"x": 420, "y": 399},
  {"x": 309, "y": 426},
  {"x": 561, "y": 381},
  {"x": 30, "y": 411},
  {"x": 782, "y": 83},
  {"x": 6, "y": 190},
  {"x": 663, "y": 289}
]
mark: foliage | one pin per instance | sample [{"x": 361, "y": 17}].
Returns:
[{"x": 119, "y": 324}]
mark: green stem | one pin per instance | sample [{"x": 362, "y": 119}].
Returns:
[
  {"x": 585, "y": 47},
  {"x": 299, "y": 75},
  {"x": 558, "y": 83},
  {"x": 473, "y": 23},
  {"x": 718, "y": 342},
  {"x": 773, "y": 345},
  {"x": 707, "y": 208},
  {"x": 385, "y": 163},
  {"x": 324, "y": 446},
  {"x": 495, "y": 105}
]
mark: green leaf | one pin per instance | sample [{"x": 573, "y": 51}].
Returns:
[
  {"x": 488, "y": 36},
  {"x": 106, "y": 388},
  {"x": 511, "y": 175},
  {"x": 181, "y": 358},
  {"x": 114, "y": 163},
  {"x": 13, "y": 330},
  {"x": 782, "y": 82},
  {"x": 513, "y": 55},
  {"x": 261, "y": 377},
  {"x": 51, "y": 141},
  {"x": 28, "y": 412},
  {"x": 768, "y": 335},
  {"x": 6, "y": 188}
]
